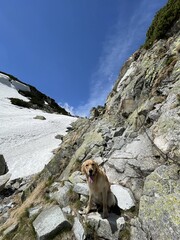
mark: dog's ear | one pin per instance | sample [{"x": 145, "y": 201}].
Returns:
[{"x": 82, "y": 168}]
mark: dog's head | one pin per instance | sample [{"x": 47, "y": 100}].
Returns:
[{"x": 89, "y": 168}]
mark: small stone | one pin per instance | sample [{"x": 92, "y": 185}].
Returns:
[
  {"x": 67, "y": 210},
  {"x": 83, "y": 199},
  {"x": 40, "y": 117},
  {"x": 59, "y": 136}
]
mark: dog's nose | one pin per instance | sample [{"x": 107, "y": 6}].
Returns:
[{"x": 90, "y": 171}]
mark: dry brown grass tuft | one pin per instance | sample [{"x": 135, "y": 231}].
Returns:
[{"x": 35, "y": 197}]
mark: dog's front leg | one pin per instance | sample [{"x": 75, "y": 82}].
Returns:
[
  {"x": 105, "y": 209},
  {"x": 89, "y": 206}
]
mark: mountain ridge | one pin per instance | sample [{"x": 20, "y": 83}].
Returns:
[{"x": 37, "y": 100}]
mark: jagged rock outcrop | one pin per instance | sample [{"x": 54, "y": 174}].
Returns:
[{"x": 136, "y": 137}]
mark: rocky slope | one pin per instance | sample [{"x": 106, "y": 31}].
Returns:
[{"x": 136, "y": 137}]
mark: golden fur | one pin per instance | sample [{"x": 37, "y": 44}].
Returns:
[{"x": 99, "y": 187}]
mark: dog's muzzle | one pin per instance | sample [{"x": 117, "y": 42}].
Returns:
[{"x": 90, "y": 172}]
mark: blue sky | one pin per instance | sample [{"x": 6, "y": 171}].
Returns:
[{"x": 72, "y": 50}]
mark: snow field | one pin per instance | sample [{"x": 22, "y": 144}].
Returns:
[{"x": 25, "y": 142}]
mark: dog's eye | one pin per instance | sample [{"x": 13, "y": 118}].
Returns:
[
  {"x": 92, "y": 164},
  {"x": 87, "y": 165}
]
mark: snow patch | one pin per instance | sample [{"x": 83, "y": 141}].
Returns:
[
  {"x": 8, "y": 90},
  {"x": 20, "y": 86},
  {"x": 25, "y": 142}
]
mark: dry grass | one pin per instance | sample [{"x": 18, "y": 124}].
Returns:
[{"x": 35, "y": 197}]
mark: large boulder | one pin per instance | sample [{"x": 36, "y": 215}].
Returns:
[
  {"x": 159, "y": 206},
  {"x": 124, "y": 196},
  {"x": 3, "y": 165},
  {"x": 50, "y": 222}
]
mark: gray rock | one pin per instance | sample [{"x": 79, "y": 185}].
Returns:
[
  {"x": 6, "y": 205},
  {"x": 107, "y": 137},
  {"x": 78, "y": 230},
  {"x": 112, "y": 174},
  {"x": 3, "y": 180},
  {"x": 4, "y": 217},
  {"x": 3, "y": 165},
  {"x": 40, "y": 117},
  {"x": 60, "y": 194},
  {"x": 50, "y": 222},
  {"x": 125, "y": 199},
  {"x": 119, "y": 132},
  {"x": 140, "y": 147},
  {"x": 159, "y": 206},
  {"x": 119, "y": 142},
  {"x": 137, "y": 233},
  {"x": 83, "y": 199},
  {"x": 34, "y": 210},
  {"x": 81, "y": 188},
  {"x": 77, "y": 177},
  {"x": 106, "y": 228},
  {"x": 67, "y": 210},
  {"x": 59, "y": 136},
  {"x": 166, "y": 129},
  {"x": 119, "y": 159}
]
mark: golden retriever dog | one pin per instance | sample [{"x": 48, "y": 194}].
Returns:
[{"x": 99, "y": 187}]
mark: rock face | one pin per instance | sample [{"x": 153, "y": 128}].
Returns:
[
  {"x": 160, "y": 199},
  {"x": 136, "y": 138}
]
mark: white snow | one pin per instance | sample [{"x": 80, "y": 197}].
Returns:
[
  {"x": 25, "y": 142},
  {"x": 8, "y": 88}
]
